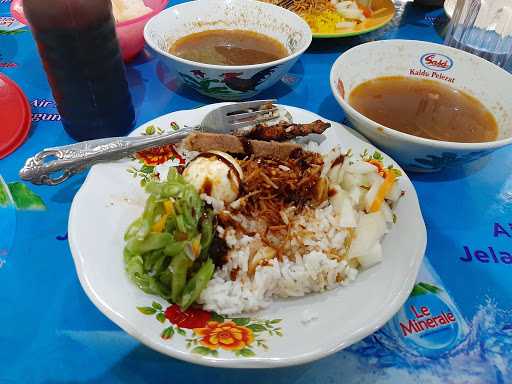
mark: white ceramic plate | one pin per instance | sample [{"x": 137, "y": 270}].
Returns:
[{"x": 111, "y": 198}]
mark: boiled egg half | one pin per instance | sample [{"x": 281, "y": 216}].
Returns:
[{"x": 216, "y": 174}]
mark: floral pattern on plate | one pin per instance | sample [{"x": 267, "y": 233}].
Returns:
[
  {"x": 149, "y": 159},
  {"x": 207, "y": 333}
]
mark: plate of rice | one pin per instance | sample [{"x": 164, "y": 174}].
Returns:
[
  {"x": 274, "y": 248},
  {"x": 341, "y": 18}
]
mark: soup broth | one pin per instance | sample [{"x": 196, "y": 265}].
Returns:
[
  {"x": 228, "y": 47},
  {"x": 425, "y": 108}
]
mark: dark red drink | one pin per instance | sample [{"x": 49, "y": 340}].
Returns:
[{"x": 78, "y": 45}]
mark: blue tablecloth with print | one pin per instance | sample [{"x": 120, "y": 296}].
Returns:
[{"x": 51, "y": 333}]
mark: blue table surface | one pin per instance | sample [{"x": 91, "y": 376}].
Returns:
[{"x": 52, "y": 333}]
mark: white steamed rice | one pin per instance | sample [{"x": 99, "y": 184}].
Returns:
[{"x": 325, "y": 247}]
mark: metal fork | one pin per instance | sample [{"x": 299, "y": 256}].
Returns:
[{"x": 69, "y": 160}]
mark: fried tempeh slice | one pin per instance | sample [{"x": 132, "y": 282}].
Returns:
[
  {"x": 285, "y": 131},
  {"x": 202, "y": 142}
]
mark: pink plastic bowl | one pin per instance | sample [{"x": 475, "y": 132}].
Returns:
[{"x": 130, "y": 33}]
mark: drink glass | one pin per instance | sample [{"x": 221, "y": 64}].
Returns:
[
  {"x": 82, "y": 59},
  {"x": 484, "y": 28}
]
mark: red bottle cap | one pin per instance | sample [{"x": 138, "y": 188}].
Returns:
[{"x": 15, "y": 116}]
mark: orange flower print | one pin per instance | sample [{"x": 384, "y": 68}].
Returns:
[
  {"x": 157, "y": 155},
  {"x": 225, "y": 335}
]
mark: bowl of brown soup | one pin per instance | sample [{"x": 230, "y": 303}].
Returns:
[
  {"x": 228, "y": 49},
  {"x": 427, "y": 105}
]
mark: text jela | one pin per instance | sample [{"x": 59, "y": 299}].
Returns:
[{"x": 490, "y": 254}]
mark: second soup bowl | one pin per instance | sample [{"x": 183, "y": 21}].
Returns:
[
  {"x": 457, "y": 69},
  {"x": 221, "y": 81}
]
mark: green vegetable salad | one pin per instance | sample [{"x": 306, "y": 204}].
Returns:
[{"x": 166, "y": 250}]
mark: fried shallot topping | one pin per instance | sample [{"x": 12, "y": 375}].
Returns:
[
  {"x": 284, "y": 131},
  {"x": 272, "y": 185}
]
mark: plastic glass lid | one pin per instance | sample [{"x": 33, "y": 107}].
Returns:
[{"x": 15, "y": 115}]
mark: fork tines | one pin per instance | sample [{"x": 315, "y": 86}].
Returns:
[
  {"x": 252, "y": 117},
  {"x": 245, "y": 106}
]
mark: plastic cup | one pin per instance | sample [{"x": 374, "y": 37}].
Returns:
[{"x": 484, "y": 28}]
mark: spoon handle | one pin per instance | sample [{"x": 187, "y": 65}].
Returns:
[{"x": 53, "y": 166}]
